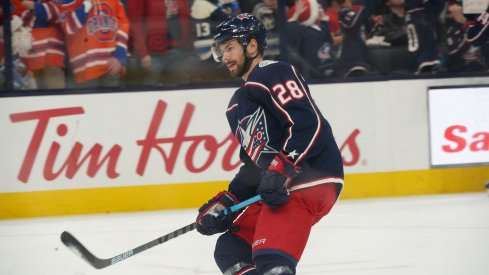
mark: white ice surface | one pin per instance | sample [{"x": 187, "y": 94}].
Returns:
[{"x": 442, "y": 234}]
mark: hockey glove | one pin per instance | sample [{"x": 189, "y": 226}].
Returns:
[
  {"x": 209, "y": 221},
  {"x": 274, "y": 183}
]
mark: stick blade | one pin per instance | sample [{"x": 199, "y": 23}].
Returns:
[{"x": 76, "y": 247}]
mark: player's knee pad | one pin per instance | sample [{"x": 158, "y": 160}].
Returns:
[
  {"x": 232, "y": 254},
  {"x": 274, "y": 265}
]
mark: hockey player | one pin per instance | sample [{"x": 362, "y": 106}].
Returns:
[{"x": 289, "y": 157}]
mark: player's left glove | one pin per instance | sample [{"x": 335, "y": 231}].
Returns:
[
  {"x": 209, "y": 221},
  {"x": 274, "y": 183}
]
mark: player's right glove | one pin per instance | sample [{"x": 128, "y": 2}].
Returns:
[
  {"x": 209, "y": 221},
  {"x": 274, "y": 183}
]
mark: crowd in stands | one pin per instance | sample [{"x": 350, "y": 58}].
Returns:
[{"x": 60, "y": 44}]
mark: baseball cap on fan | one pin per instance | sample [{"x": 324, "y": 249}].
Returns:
[{"x": 310, "y": 14}]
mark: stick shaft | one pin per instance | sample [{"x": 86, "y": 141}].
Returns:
[
  {"x": 78, "y": 248},
  {"x": 242, "y": 204}
]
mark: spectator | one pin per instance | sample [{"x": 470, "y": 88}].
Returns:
[
  {"x": 461, "y": 55},
  {"x": 96, "y": 39},
  {"x": 21, "y": 43},
  {"x": 421, "y": 19},
  {"x": 21, "y": 34},
  {"x": 477, "y": 31},
  {"x": 46, "y": 58},
  {"x": 248, "y": 5},
  {"x": 206, "y": 15},
  {"x": 390, "y": 25},
  {"x": 369, "y": 5},
  {"x": 333, "y": 11},
  {"x": 267, "y": 12},
  {"x": 352, "y": 59},
  {"x": 309, "y": 40},
  {"x": 162, "y": 39},
  {"x": 387, "y": 42}
]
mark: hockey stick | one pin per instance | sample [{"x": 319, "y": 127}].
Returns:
[{"x": 78, "y": 248}]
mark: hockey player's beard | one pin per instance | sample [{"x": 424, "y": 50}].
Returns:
[
  {"x": 237, "y": 71},
  {"x": 246, "y": 66},
  {"x": 242, "y": 69}
]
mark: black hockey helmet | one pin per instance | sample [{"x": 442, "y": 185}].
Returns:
[{"x": 242, "y": 27}]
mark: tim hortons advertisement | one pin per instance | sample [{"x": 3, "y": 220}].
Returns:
[
  {"x": 103, "y": 140},
  {"x": 172, "y": 137},
  {"x": 459, "y": 125},
  {"x": 100, "y": 140}
]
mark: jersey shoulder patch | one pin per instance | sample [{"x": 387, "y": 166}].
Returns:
[
  {"x": 266, "y": 63},
  {"x": 269, "y": 71}
]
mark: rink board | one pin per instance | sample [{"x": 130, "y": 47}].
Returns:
[
  {"x": 169, "y": 196},
  {"x": 134, "y": 151}
]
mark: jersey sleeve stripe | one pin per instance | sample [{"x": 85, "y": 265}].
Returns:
[
  {"x": 79, "y": 18},
  {"x": 316, "y": 182},
  {"x": 234, "y": 106},
  {"x": 42, "y": 11}
]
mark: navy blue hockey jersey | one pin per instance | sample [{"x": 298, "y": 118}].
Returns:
[{"x": 273, "y": 112}]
